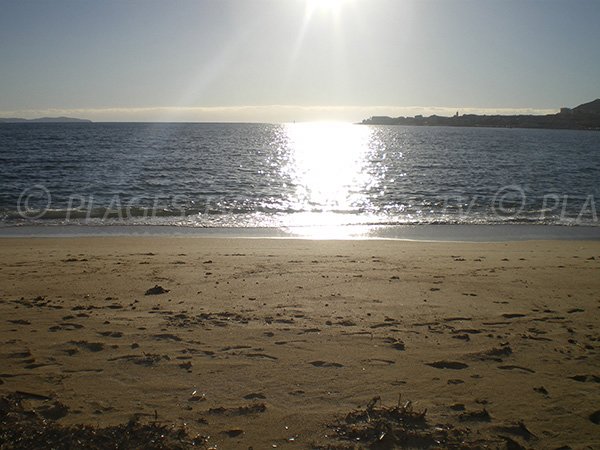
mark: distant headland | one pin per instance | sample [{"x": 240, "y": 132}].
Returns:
[
  {"x": 44, "y": 120},
  {"x": 582, "y": 117}
]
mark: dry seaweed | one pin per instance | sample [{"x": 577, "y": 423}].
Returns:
[
  {"x": 21, "y": 428},
  {"x": 399, "y": 426}
]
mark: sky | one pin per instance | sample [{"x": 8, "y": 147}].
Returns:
[{"x": 286, "y": 60}]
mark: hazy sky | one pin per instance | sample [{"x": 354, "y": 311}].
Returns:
[{"x": 279, "y": 60}]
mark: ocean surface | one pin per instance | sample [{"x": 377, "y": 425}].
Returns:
[{"x": 307, "y": 175}]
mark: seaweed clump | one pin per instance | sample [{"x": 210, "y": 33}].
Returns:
[
  {"x": 399, "y": 426},
  {"x": 22, "y": 428}
]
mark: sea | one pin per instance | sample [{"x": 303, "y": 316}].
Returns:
[{"x": 313, "y": 179}]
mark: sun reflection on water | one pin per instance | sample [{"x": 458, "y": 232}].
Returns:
[{"x": 326, "y": 164}]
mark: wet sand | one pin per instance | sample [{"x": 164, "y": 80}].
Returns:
[{"x": 262, "y": 342}]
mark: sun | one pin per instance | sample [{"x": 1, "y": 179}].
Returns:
[{"x": 325, "y": 5}]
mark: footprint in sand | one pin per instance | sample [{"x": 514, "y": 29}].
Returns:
[
  {"x": 21, "y": 354},
  {"x": 91, "y": 346},
  {"x": 113, "y": 334},
  {"x": 186, "y": 365},
  {"x": 255, "y": 396},
  {"x": 167, "y": 337},
  {"x": 20, "y": 322},
  {"x": 83, "y": 370},
  {"x": 464, "y": 337},
  {"x": 586, "y": 378},
  {"x": 385, "y": 324},
  {"x": 541, "y": 390},
  {"x": 310, "y": 330},
  {"x": 65, "y": 327},
  {"x": 68, "y": 260},
  {"x": 233, "y": 433},
  {"x": 234, "y": 347},
  {"x": 379, "y": 362},
  {"x": 261, "y": 356},
  {"x": 147, "y": 360},
  {"x": 454, "y": 365},
  {"x": 513, "y": 315},
  {"x": 513, "y": 367},
  {"x": 457, "y": 407},
  {"x": 494, "y": 354},
  {"x": 396, "y": 344},
  {"x": 239, "y": 411},
  {"x": 325, "y": 364},
  {"x": 516, "y": 429}
]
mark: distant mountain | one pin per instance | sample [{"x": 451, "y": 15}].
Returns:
[
  {"x": 582, "y": 117},
  {"x": 44, "y": 120}
]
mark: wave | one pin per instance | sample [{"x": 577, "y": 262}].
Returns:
[{"x": 272, "y": 217}]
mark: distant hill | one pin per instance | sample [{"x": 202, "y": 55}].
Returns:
[
  {"x": 44, "y": 120},
  {"x": 588, "y": 108},
  {"x": 582, "y": 117}
]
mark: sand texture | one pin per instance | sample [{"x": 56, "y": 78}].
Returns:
[{"x": 263, "y": 343}]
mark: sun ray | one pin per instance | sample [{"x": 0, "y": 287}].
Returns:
[{"x": 325, "y": 5}]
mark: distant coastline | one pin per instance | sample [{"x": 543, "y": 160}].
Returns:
[
  {"x": 582, "y": 117},
  {"x": 44, "y": 120}
]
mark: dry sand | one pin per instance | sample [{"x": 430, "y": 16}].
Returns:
[{"x": 267, "y": 342}]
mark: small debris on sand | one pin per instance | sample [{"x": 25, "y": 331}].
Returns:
[{"x": 156, "y": 290}]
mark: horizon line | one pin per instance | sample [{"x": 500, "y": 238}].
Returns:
[{"x": 259, "y": 113}]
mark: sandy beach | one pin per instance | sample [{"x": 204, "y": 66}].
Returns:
[{"x": 270, "y": 343}]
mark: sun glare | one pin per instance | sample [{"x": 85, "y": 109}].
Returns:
[{"x": 325, "y": 5}]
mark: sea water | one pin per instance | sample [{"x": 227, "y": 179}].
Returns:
[{"x": 295, "y": 175}]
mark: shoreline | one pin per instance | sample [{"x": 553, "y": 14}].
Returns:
[
  {"x": 272, "y": 342},
  {"x": 419, "y": 232}
]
